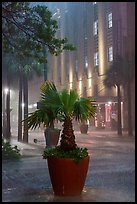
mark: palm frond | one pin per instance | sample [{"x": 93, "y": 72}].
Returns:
[
  {"x": 60, "y": 105},
  {"x": 83, "y": 109},
  {"x": 49, "y": 94},
  {"x": 35, "y": 119}
]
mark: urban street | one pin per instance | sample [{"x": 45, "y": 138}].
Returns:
[
  {"x": 68, "y": 82},
  {"x": 110, "y": 178}
]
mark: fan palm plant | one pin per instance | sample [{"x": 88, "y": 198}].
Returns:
[
  {"x": 67, "y": 178},
  {"x": 46, "y": 116},
  {"x": 63, "y": 106},
  {"x": 67, "y": 106}
]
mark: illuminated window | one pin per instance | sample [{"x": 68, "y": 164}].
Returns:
[
  {"x": 86, "y": 62},
  {"x": 109, "y": 20},
  {"x": 95, "y": 27},
  {"x": 96, "y": 61},
  {"x": 110, "y": 54},
  {"x": 76, "y": 66}
]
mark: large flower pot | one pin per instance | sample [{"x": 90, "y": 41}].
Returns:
[
  {"x": 51, "y": 136},
  {"x": 84, "y": 128},
  {"x": 67, "y": 176}
]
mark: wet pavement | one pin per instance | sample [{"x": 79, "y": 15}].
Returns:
[{"x": 110, "y": 178}]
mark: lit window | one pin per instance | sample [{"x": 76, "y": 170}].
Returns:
[
  {"x": 76, "y": 65},
  {"x": 109, "y": 20},
  {"x": 110, "y": 54},
  {"x": 96, "y": 61},
  {"x": 86, "y": 62},
  {"x": 95, "y": 27}
]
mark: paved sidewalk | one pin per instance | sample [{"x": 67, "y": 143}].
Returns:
[{"x": 110, "y": 178}]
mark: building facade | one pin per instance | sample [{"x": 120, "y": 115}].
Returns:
[{"x": 100, "y": 31}]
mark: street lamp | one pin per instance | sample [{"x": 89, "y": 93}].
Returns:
[{"x": 6, "y": 90}]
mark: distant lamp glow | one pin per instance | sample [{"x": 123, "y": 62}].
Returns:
[
  {"x": 6, "y": 90},
  {"x": 23, "y": 104},
  {"x": 109, "y": 102},
  {"x": 35, "y": 105},
  {"x": 30, "y": 106},
  {"x": 86, "y": 64},
  {"x": 86, "y": 61}
]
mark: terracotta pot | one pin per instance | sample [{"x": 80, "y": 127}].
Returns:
[
  {"x": 67, "y": 176},
  {"x": 51, "y": 137},
  {"x": 84, "y": 128}
]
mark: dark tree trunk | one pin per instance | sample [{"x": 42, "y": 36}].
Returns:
[
  {"x": 119, "y": 130},
  {"x": 130, "y": 129},
  {"x": 8, "y": 129},
  {"x": 6, "y": 102},
  {"x": 25, "y": 93},
  {"x": 20, "y": 108},
  {"x": 68, "y": 137}
]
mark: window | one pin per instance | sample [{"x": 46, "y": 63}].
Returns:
[
  {"x": 95, "y": 28},
  {"x": 96, "y": 61},
  {"x": 86, "y": 62},
  {"x": 76, "y": 65},
  {"x": 109, "y": 20},
  {"x": 110, "y": 54}
]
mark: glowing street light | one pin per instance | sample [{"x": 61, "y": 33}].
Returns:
[
  {"x": 35, "y": 105},
  {"x": 6, "y": 90},
  {"x": 23, "y": 104}
]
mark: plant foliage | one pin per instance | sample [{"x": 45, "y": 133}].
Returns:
[
  {"x": 66, "y": 106},
  {"x": 10, "y": 152},
  {"x": 77, "y": 154},
  {"x": 27, "y": 31}
]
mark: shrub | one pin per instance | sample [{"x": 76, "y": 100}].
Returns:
[
  {"x": 9, "y": 152},
  {"x": 76, "y": 154}
]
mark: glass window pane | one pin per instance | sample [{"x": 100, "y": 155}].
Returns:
[
  {"x": 110, "y": 54},
  {"x": 95, "y": 28},
  {"x": 109, "y": 20}
]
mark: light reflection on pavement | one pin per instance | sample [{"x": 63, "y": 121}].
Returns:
[{"x": 110, "y": 178}]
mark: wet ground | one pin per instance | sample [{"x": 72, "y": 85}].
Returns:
[{"x": 110, "y": 178}]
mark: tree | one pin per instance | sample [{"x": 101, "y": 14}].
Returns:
[
  {"x": 26, "y": 32},
  {"x": 25, "y": 71},
  {"x": 65, "y": 106},
  {"x": 114, "y": 77},
  {"x": 7, "y": 78},
  {"x": 28, "y": 71},
  {"x": 129, "y": 77}
]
